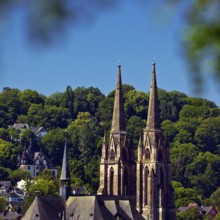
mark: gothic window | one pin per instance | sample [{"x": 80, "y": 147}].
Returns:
[
  {"x": 147, "y": 154},
  {"x": 124, "y": 154},
  {"x": 161, "y": 178},
  {"x": 159, "y": 155},
  {"x": 112, "y": 155},
  {"x": 111, "y": 182},
  {"x": 125, "y": 182},
  {"x": 160, "y": 195},
  {"x": 145, "y": 185}
]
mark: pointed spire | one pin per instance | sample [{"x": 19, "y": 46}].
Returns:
[
  {"x": 118, "y": 122},
  {"x": 153, "y": 119},
  {"x": 65, "y": 174}
]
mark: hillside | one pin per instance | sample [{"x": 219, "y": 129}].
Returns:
[{"x": 191, "y": 127}]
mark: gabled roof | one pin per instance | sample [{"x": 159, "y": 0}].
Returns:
[
  {"x": 36, "y": 130},
  {"x": 208, "y": 209},
  {"x": 21, "y": 126},
  {"x": 46, "y": 208},
  {"x": 102, "y": 208}
]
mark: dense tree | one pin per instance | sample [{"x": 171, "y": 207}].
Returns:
[
  {"x": 53, "y": 117},
  {"x": 134, "y": 127},
  {"x": 4, "y": 134},
  {"x": 170, "y": 104},
  {"x": 86, "y": 99},
  {"x": 54, "y": 99},
  {"x": 53, "y": 143},
  {"x": 8, "y": 154},
  {"x": 214, "y": 199},
  {"x": 28, "y": 97},
  {"x": 48, "y": 116},
  {"x": 68, "y": 100},
  {"x": 4, "y": 172},
  {"x": 184, "y": 196},
  {"x": 10, "y": 106},
  {"x": 34, "y": 114},
  {"x": 204, "y": 168},
  {"x": 3, "y": 204},
  {"x": 136, "y": 104},
  {"x": 208, "y": 135},
  {"x": 169, "y": 130},
  {"x": 104, "y": 112},
  {"x": 17, "y": 175},
  {"x": 27, "y": 137},
  {"x": 181, "y": 156},
  {"x": 190, "y": 214}
]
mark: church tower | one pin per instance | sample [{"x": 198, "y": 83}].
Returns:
[
  {"x": 117, "y": 168},
  {"x": 154, "y": 193},
  {"x": 65, "y": 189}
]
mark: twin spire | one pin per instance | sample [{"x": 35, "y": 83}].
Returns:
[
  {"x": 153, "y": 119},
  {"x": 118, "y": 124}
]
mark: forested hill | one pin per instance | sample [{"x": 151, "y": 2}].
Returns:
[{"x": 191, "y": 127}]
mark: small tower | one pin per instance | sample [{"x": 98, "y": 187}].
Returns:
[
  {"x": 154, "y": 193},
  {"x": 117, "y": 169},
  {"x": 65, "y": 189}
]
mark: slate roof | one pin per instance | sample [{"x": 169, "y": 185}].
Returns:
[
  {"x": 100, "y": 207},
  {"x": 202, "y": 209},
  {"x": 208, "y": 209},
  {"x": 46, "y": 208}
]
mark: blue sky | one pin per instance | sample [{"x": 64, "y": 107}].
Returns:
[{"x": 88, "y": 55}]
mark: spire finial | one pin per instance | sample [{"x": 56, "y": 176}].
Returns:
[{"x": 154, "y": 61}]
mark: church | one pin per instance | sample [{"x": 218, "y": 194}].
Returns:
[{"x": 128, "y": 189}]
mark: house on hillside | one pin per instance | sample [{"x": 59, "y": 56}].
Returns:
[
  {"x": 39, "y": 132},
  {"x": 35, "y": 162},
  {"x": 203, "y": 210}
]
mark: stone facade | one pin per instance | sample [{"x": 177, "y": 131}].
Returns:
[
  {"x": 117, "y": 168},
  {"x": 154, "y": 193}
]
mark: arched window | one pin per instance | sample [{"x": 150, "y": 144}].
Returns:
[
  {"x": 125, "y": 182},
  {"x": 145, "y": 185},
  {"x": 147, "y": 154},
  {"x": 159, "y": 155},
  {"x": 112, "y": 155},
  {"x": 111, "y": 181},
  {"x": 161, "y": 178}
]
